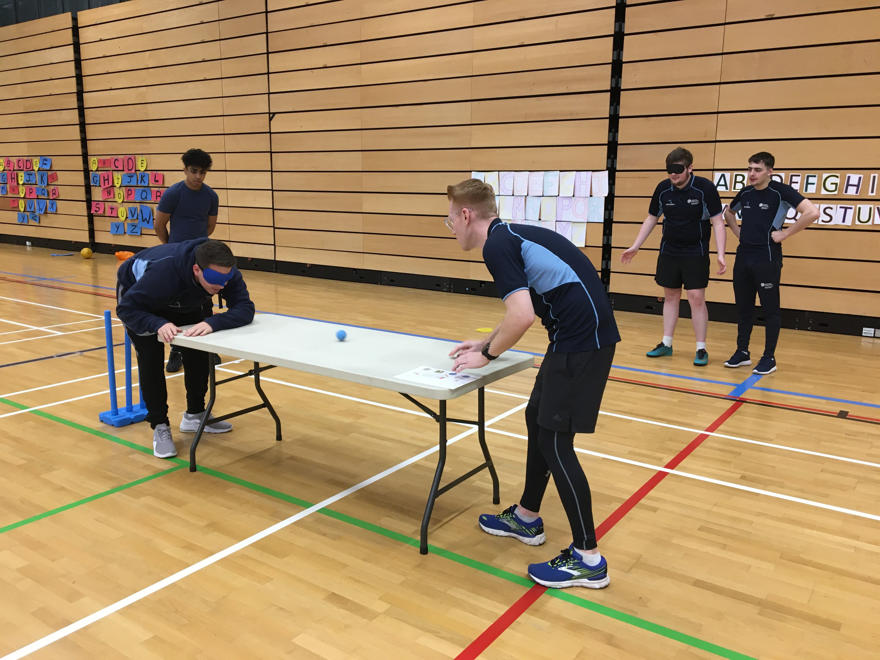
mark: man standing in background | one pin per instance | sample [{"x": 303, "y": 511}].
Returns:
[
  {"x": 763, "y": 204},
  {"x": 692, "y": 207},
  {"x": 191, "y": 207}
]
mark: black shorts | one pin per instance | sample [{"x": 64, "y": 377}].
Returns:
[
  {"x": 568, "y": 389},
  {"x": 687, "y": 272}
]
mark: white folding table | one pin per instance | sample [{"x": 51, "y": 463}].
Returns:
[{"x": 377, "y": 358}]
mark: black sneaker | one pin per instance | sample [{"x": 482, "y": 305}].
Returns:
[
  {"x": 766, "y": 365},
  {"x": 175, "y": 361},
  {"x": 739, "y": 359}
]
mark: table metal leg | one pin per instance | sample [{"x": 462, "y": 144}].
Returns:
[
  {"x": 435, "y": 484},
  {"x": 269, "y": 405},
  {"x": 212, "y": 389},
  {"x": 481, "y": 435}
]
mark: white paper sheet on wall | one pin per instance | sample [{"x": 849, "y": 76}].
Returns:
[
  {"x": 595, "y": 209},
  {"x": 579, "y": 233},
  {"x": 582, "y": 184},
  {"x": 599, "y": 184},
  {"x": 505, "y": 207},
  {"x": 551, "y": 184},
  {"x": 566, "y": 184},
  {"x": 505, "y": 183},
  {"x": 536, "y": 184},
  {"x": 548, "y": 209},
  {"x": 533, "y": 208},
  {"x": 492, "y": 180},
  {"x": 518, "y": 213}
]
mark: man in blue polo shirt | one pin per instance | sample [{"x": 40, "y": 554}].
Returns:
[
  {"x": 162, "y": 288},
  {"x": 763, "y": 204},
  {"x": 191, "y": 206},
  {"x": 538, "y": 272},
  {"x": 692, "y": 207}
]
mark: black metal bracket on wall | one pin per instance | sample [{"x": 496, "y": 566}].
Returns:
[
  {"x": 83, "y": 138},
  {"x": 613, "y": 134}
]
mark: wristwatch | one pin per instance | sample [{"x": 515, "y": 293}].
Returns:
[{"x": 486, "y": 354}]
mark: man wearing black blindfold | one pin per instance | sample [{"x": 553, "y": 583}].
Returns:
[
  {"x": 162, "y": 288},
  {"x": 692, "y": 206}
]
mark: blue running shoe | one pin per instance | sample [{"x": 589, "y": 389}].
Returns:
[
  {"x": 569, "y": 570},
  {"x": 701, "y": 359},
  {"x": 507, "y": 523},
  {"x": 660, "y": 350}
]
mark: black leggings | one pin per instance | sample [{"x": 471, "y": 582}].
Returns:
[
  {"x": 151, "y": 369},
  {"x": 552, "y": 452},
  {"x": 761, "y": 277}
]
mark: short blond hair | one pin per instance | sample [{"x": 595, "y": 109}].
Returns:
[{"x": 474, "y": 194}]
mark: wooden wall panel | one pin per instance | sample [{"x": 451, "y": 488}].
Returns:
[
  {"x": 163, "y": 77},
  {"x": 38, "y": 117},
  {"x": 728, "y": 78},
  {"x": 376, "y": 114},
  {"x": 335, "y": 130}
]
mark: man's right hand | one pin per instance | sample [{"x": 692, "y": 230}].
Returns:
[
  {"x": 167, "y": 332},
  {"x": 628, "y": 254},
  {"x": 467, "y": 347}
]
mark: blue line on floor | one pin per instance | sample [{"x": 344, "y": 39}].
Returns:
[
  {"x": 55, "y": 279},
  {"x": 819, "y": 396},
  {"x": 749, "y": 382},
  {"x": 57, "y": 355},
  {"x": 738, "y": 386},
  {"x": 669, "y": 375}
]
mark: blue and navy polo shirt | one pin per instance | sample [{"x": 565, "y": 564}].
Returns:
[
  {"x": 763, "y": 212},
  {"x": 566, "y": 292},
  {"x": 686, "y": 229}
]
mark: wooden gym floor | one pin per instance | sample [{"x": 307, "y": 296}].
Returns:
[{"x": 738, "y": 514}]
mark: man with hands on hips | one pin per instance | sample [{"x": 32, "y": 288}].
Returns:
[
  {"x": 764, "y": 205},
  {"x": 161, "y": 289},
  {"x": 540, "y": 273}
]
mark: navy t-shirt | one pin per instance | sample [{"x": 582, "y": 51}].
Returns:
[
  {"x": 763, "y": 212},
  {"x": 189, "y": 210},
  {"x": 566, "y": 291},
  {"x": 686, "y": 229}
]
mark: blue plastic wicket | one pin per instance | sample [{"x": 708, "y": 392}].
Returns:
[{"x": 131, "y": 414}]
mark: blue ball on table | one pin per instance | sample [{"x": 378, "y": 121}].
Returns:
[{"x": 340, "y": 335}]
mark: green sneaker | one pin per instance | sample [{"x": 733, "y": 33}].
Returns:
[
  {"x": 701, "y": 359},
  {"x": 660, "y": 350}
]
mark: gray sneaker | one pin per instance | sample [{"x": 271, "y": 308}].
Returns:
[
  {"x": 163, "y": 443},
  {"x": 190, "y": 424}
]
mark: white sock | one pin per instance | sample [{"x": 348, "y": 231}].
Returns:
[
  {"x": 522, "y": 516},
  {"x": 701, "y": 344},
  {"x": 667, "y": 341},
  {"x": 589, "y": 559}
]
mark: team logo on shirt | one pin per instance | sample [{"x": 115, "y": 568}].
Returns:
[
  {"x": 669, "y": 203},
  {"x": 763, "y": 206},
  {"x": 693, "y": 202}
]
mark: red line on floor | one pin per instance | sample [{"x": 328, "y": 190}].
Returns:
[
  {"x": 744, "y": 399},
  {"x": 649, "y": 485},
  {"x": 503, "y": 622}
]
